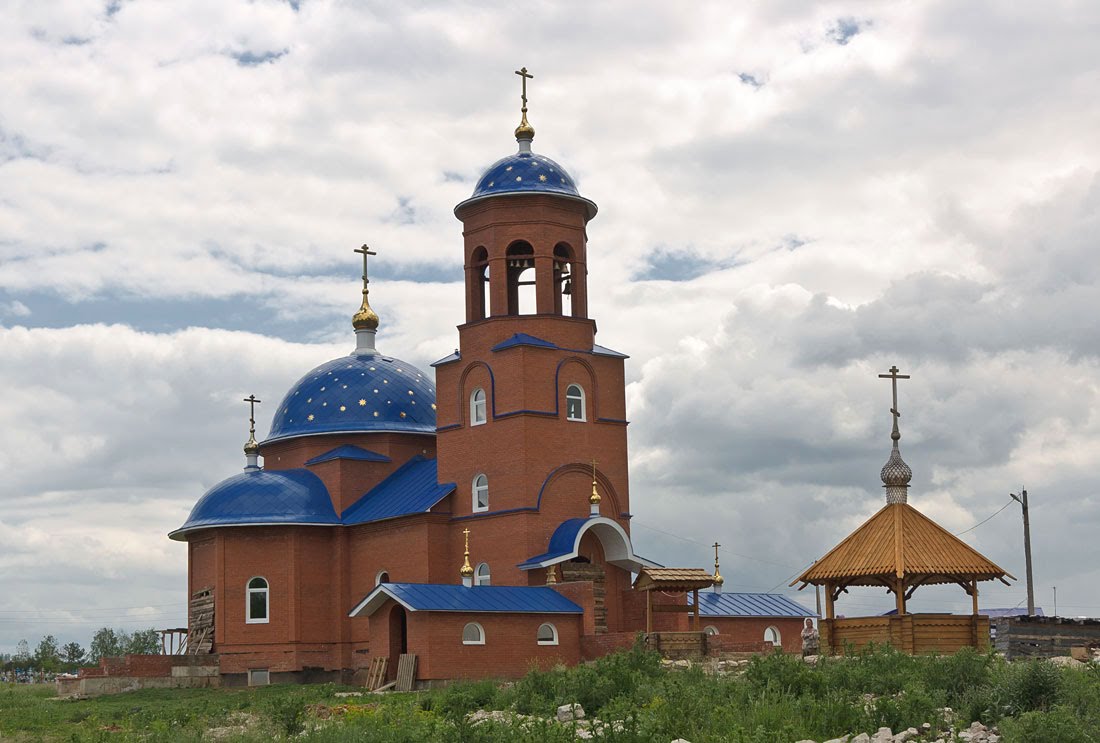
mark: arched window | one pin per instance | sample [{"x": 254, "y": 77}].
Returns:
[
  {"x": 256, "y": 602},
  {"x": 481, "y": 575},
  {"x": 477, "y": 407},
  {"x": 574, "y": 403},
  {"x": 548, "y": 634},
  {"x": 473, "y": 634},
  {"x": 382, "y": 577},
  {"x": 771, "y": 634},
  {"x": 710, "y": 629},
  {"x": 481, "y": 493}
]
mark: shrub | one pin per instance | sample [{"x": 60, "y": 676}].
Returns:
[{"x": 1059, "y": 724}]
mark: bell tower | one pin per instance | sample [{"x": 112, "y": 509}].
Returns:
[{"x": 529, "y": 402}]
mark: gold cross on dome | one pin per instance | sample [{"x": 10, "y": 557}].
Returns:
[
  {"x": 252, "y": 400},
  {"x": 524, "y": 76},
  {"x": 365, "y": 250}
]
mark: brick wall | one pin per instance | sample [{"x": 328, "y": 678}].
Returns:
[
  {"x": 748, "y": 632},
  {"x": 597, "y": 646}
]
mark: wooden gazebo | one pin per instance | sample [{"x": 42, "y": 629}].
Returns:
[
  {"x": 901, "y": 549},
  {"x": 677, "y": 580}
]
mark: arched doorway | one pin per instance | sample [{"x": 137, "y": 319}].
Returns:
[{"x": 399, "y": 639}]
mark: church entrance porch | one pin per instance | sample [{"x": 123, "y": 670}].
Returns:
[
  {"x": 580, "y": 569},
  {"x": 399, "y": 639}
]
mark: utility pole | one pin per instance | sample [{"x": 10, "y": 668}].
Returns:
[{"x": 1022, "y": 500}]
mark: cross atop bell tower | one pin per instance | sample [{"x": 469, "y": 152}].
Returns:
[{"x": 524, "y": 132}]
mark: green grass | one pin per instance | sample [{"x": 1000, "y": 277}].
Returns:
[{"x": 776, "y": 698}]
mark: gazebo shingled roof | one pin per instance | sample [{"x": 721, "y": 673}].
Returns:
[
  {"x": 672, "y": 579},
  {"x": 901, "y": 542}
]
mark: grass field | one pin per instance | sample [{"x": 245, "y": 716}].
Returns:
[{"x": 776, "y": 698}]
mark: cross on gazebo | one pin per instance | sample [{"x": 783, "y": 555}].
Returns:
[{"x": 893, "y": 376}]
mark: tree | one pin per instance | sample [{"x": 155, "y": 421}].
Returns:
[
  {"x": 22, "y": 652},
  {"x": 105, "y": 643},
  {"x": 72, "y": 653},
  {"x": 47, "y": 655},
  {"x": 144, "y": 642}
]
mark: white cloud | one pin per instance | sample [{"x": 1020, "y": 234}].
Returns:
[{"x": 925, "y": 193}]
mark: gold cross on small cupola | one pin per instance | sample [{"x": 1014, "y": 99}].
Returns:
[
  {"x": 365, "y": 321},
  {"x": 251, "y": 448},
  {"x": 524, "y": 132}
]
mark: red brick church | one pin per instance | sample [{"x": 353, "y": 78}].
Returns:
[{"x": 482, "y": 522}]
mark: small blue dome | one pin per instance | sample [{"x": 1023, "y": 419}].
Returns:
[
  {"x": 523, "y": 172},
  {"x": 257, "y": 497},
  {"x": 357, "y": 393}
]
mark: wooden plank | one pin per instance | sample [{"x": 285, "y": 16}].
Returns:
[
  {"x": 406, "y": 672},
  {"x": 376, "y": 675}
]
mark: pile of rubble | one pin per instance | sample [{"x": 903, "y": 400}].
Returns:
[
  {"x": 567, "y": 714},
  {"x": 976, "y": 733}
]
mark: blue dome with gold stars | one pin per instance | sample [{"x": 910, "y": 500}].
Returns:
[
  {"x": 355, "y": 394},
  {"x": 525, "y": 171}
]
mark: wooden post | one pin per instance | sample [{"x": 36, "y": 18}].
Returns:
[
  {"x": 899, "y": 590},
  {"x": 974, "y": 594},
  {"x": 829, "y": 601},
  {"x": 695, "y": 601},
  {"x": 649, "y": 612}
]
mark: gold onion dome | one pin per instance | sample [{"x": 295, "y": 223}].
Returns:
[
  {"x": 366, "y": 318},
  {"x": 467, "y": 570},
  {"x": 250, "y": 446},
  {"x": 525, "y": 130},
  {"x": 718, "y": 579}
]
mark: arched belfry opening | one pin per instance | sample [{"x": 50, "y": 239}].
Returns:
[
  {"x": 563, "y": 279},
  {"x": 520, "y": 262},
  {"x": 478, "y": 281}
]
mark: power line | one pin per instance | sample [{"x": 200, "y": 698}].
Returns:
[
  {"x": 695, "y": 541},
  {"x": 964, "y": 531}
]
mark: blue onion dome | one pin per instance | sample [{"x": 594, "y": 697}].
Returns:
[
  {"x": 527, "y": 172},
  {"x": 262, "y": 497},
  {"x": 360, "y": 393}
]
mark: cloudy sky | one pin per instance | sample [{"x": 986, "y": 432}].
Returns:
[{"x": 793, "y": 197}]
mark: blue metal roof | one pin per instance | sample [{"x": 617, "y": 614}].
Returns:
[
  {"x": 349, "y": 451},
  {"x": 257, "y": 497},
  {"x": 473, "y": 599},
  {"x": 368, "y": 392},
  {"x": 447, "y": 359},
  {"x": 522, "y": 339},
  {"x": 527, "y": 172},
  {"x": 749, "y": 605},
  {"x": 412, "y": 488}
]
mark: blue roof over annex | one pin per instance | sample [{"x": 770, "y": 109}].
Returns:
[
  {"x": 357, "y": 393},
  {"x": 750, "y": 605},
  {"x": 262, "y": 497},
  {"x": 475, "y": 599},
  {"x": 411, "y": 489}
]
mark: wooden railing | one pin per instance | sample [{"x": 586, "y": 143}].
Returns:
[{"x": 912, "y": 633}]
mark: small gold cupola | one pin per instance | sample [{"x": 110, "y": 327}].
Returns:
[
  {"x": 251, "y": 447},
  {"x": 467, "y": 570},
  {"x": 718, "y": 579},
  {"x": 594, "y": 500}
]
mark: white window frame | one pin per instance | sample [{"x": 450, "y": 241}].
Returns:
[
  {"x": 778, "y": 642},
  {"x": 248, "y": 591},
  {"x": 480, "y": 634},
  {"x": 483, "y": 575},
  {"x": 378, "y": 578},
  {"x": 553, "y": 630},
  {"x": 478, "y": 407},
  {"x": 584, "y": 403},
  {"x": 475, "y": 489},
  {"x": 710, "y": 629}
]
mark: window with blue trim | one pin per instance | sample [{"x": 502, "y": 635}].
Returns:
[
  {"x": 477, "y": 407},
  {"x": 574, "y": 403},
  {"x": 481, "y": 493}
]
